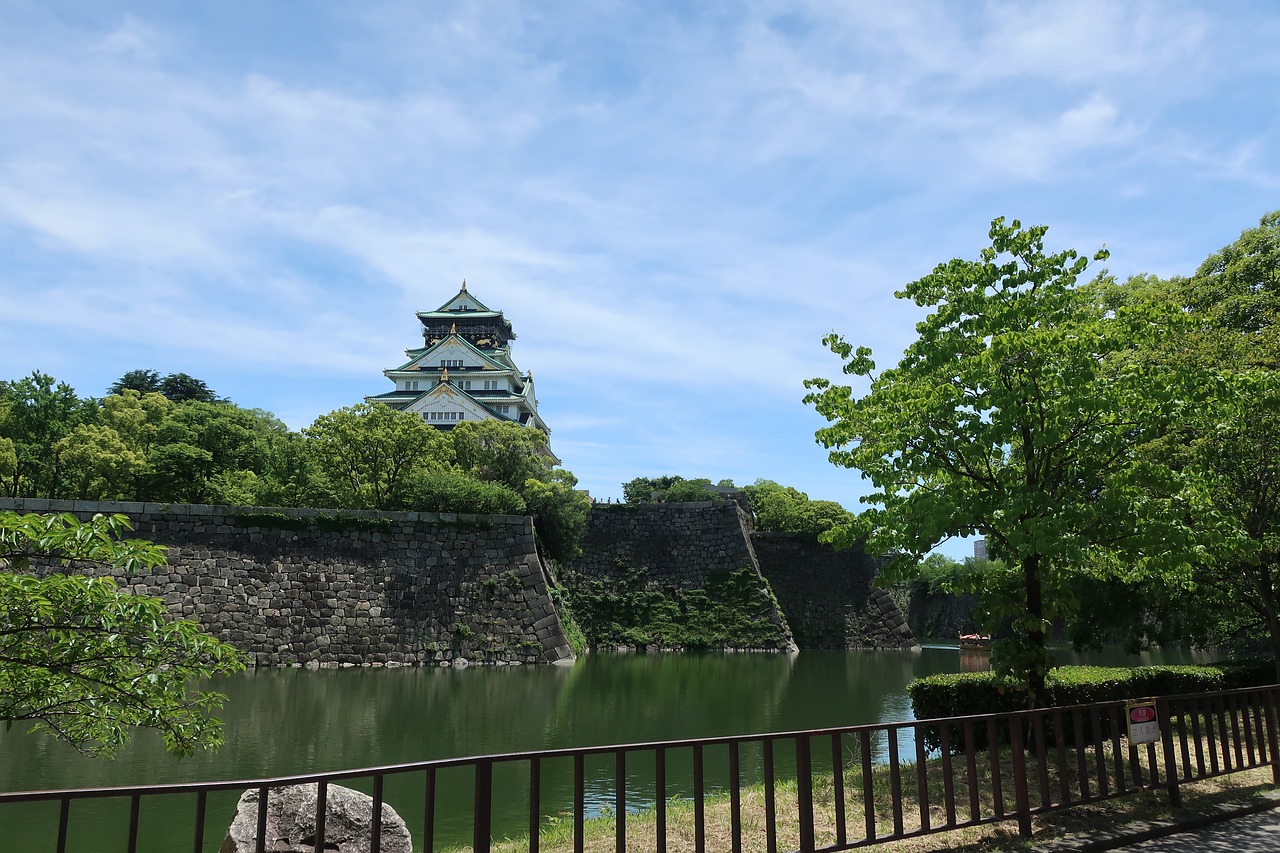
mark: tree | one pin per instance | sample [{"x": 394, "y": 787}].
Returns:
[
  {"x": 1231, "y": 445},
  {"x": 789, "y": 510},
  {"x": 501, "y": 452},
  {"x": 37, "y": 413},
  {"x": 370, "y": 451},
  {"x": 671, "y": 487},
  {"x": 97, "y": 464},
  {"x": 142, "y": 381},
  {"x": 559, "y": 513},
  {"x": 1009, "y": 418},
  {"x": 88, "y": 663},
  {"x": 181, "y": 388}
]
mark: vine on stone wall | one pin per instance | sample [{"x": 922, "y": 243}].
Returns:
[
  {"x": 733, "y": 610},
  {"x": 284, "y": 521}
]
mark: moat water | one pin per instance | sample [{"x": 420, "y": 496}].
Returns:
[{"x": 294, "y": 721}]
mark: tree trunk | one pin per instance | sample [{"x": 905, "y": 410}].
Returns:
[{"x": 1039, "y": 658}]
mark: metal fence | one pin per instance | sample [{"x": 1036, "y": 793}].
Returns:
[{"x": 820, "y": 790}]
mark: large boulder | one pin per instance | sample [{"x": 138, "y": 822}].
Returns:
[{"x": 291, "y": 823}]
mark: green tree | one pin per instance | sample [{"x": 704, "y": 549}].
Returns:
[
  {"x": 135, "y": 416},
  {"x": 559, "y": 513},
  {"x": 370, "y": 451},
  {"x": 142, "y": 381},
  {"x": 86, "y": 662},
  {"x": 672, "y": 488},
  {"x": 97, "y": 464},
  {"x": 1230, "y": 445},
  {"x": 37, "y": 414},
  {"x": 196, "y": 441},
  {"x": 1009, "y": 417},
  {"x": 454, "y": 491},
  {"x": 501, "y": 452},
  {"x": 181, "y": 388},
  {"x": 789, "y": 510}
]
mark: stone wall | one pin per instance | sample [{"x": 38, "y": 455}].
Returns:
[
  {"x": 381, "y": 589},
  {"x": 828, "y": 596},
  {"x": 683, "y": 546}
]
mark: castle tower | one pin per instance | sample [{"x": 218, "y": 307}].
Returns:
[{"x": 464, "y": 369}]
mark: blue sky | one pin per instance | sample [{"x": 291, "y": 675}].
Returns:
[{"x": 673, "y": 203}]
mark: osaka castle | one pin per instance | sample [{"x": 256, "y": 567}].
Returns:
[{"x": 464, "y": 369}]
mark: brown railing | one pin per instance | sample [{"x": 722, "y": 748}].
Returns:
[{"x": 822, "y": 790}]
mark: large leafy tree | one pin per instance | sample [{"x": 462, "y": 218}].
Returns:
[
  {"x": 143, "y": 381},
  {"x": 789, "y": 510},
  {"x": 501, "y": 452},
  {"x": 519, "y": 458},
  {"x": 1232, "y": 444},
  {"x": 38, "y": 411},
  {"x": 1009, "y": 418},
  {"x": 370, "y": 453},
  {"x": 88, "y": 663}
]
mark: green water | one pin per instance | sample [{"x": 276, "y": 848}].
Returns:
[{"x": 282, "y": 722}]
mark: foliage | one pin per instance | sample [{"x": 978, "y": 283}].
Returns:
[
  {"x": 789, "y": 510},
  {"x": 559, "y": 513},
  {"x": 140, "y": 381},
  {"x": 1229, "y": 445},
  {"x": 453, "y": 491},
  {"x": 1012, "y": 417},
  {"x": 96, "y": 462},
  {"x": 671, "y": 488},
  {"x": 84, "y": 661},
  {"x": 961, "y": 694},
  {"x": 370, "y": 451},
  {"x": 36, "y": 414},
  {"x": 733, "y": 610},
  {"x": 325, "y": 521},
  {"x": 572, "y": 630},
  {"x": 501, "y": 452}
]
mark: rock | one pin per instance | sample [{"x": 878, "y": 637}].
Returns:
[{"x": 291, "y": 823}]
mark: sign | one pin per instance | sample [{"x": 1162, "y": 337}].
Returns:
[{"x": 1144, "y": 727}]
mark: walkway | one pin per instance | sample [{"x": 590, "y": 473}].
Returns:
[
  {"x": 1253, "y": 833},
  {"x": 1242, "y": 826}
]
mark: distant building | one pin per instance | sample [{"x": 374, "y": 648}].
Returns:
[
  {"x": 980, "y": 549},
  {"x": 464, "y": 371}
]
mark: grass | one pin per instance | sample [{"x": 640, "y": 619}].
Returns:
[{"x": 1143, "y": 805}]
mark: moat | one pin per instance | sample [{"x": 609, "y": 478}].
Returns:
[{"x": 293, "y": 721}]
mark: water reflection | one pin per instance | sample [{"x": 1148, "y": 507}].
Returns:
[{"x": 281, "y": 722}]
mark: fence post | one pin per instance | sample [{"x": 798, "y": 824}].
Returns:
[
  {"x": 804, "y": 792},
  {"x": 1022, "y": 800},
  {"x": 1271, "y": 734},
  {"x": 1164, "y": 713},
  {"x": 481, "y": 834}
]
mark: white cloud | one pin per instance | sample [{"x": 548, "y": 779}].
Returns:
[{"x": 672, "y": 205}]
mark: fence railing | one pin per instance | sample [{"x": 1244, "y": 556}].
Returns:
[{"x": 821, "y": 790}]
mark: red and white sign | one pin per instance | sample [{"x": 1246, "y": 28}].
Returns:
[{"x": 1143, "y": 724}]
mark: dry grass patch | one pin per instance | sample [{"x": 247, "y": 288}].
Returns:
[{"x": 557, "y": 835}]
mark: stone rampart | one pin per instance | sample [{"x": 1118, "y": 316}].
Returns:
[
  {"x": 828, "y": 596},
  {"x": 677, "y": 548},
  {"x": 321, "y": 588}
]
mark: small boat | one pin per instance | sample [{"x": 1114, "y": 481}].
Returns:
[{"x": 975, "y": 641}]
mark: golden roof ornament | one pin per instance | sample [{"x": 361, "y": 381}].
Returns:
[
  {"x": 453, "y": 329},
  {"x": 444, "y": 375},
  {"x": 464, "y": 285}
]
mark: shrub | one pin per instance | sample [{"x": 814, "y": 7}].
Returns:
[
  {"x": 969, "y": 693},
  {"x": 453, "y": 491}
]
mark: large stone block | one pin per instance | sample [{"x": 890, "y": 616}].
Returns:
[{"x": 291, "y": 823}]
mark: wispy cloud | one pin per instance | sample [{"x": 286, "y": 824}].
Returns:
[{"x": 673, "y": 204}]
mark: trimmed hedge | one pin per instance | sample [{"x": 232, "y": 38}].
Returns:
[
  {"x": 968, "y": 693},
  {"x": 962, "y": 694}
]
